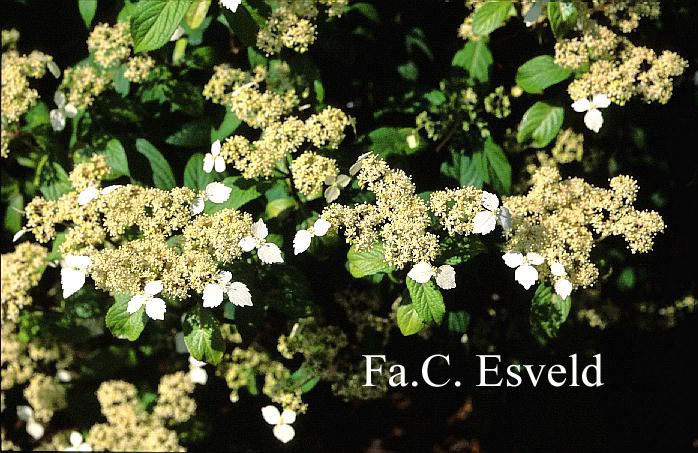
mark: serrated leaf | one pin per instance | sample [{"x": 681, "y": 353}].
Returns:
[
  {"x": 202, "y": 335},
  {"x": 162, "y": 172},
  {"x": 408, "y": 320},
  {"x": 154, "y": 22},
  {"x": 369, "y": 262},
  {"x": 498, "y": 167},
  {"x": 194, "y": 175},
  {"x": 540, "y": 124},
  {"x": 427, "y": 301},
  {"x": 458, "y": 321},
  {"x": 87, "y": 8},
  {"x": 476, "y": 58},
  {"x": 123, "y": 324},
  {"x": 490, "y": 15},
  {"x": 539, "y": 73},
  {"x": 548, "y": 311},
  {"x": 116, "y": 158}
]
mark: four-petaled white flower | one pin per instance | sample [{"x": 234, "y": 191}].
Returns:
[
  {"x": 197, "y": 373},
  {"x": 485, "y": 221},
  {"x": 214, "y": 160},
  {"x": 525, "y": 273},
  {"x": 77, "y": 443},
  {"x": 215, "y": 192},
  {"x": 92, "y": 192},
  {"x": 34, "y": 428},
  {"x": 563, "y": 287},
  {"x": 268, "y": 252},
  {"x": 422, "y": 272},
  {"x": 154, "y": 306},
  {"x": 237, "y": 292},
  {"x": 301, "y": 241},
  {"x": 63, "y": 111},
  {"x": 335, "y": 185},
  {"x": 593, "y": 117},
  {"x": 231, "y": 4},
  {"x": 282, "y": 422},
  {"x": 73, "y": 273}
]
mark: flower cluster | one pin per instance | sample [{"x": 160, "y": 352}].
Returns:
[{"x": 21, "y": 271}]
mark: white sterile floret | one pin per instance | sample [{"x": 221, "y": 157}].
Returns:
[
  {"x": 34, "y": 428},
  {"x": 354, "y": 169},
  {"x": 63, "y": 375},
  {"x": 74, "y": 270},
  {"x": 267, "y": 252},
  {"x": 197, "y": 372},
  {"x": 237, "y": 292},
  {"x": 445, "y": 275},
  {"x": 302, "y": 240},
  {"x": 92, "y": 192},
  {"x": 485, "y": 221},
  {"x": 231, "y": 4},
  {"x": 421, "y": 272},
  {"x": 154, "y": 306},
  {"x": 18, "y": 235},
  {"x": 336, "y": 184},
  {"x": 214, "y": 160},
  {"x": 215, "y": 192},
  {"x": 593, "y": 119},
  {"x": 525, "y": 273},
  {"x": 563, "y": 287},
  {"x": 282, "y": 422},
  {"x": 77, "y": 443},
  {"x": 58, "y": 115}
]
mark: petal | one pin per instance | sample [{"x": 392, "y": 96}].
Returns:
[
  {"x": 331, "y": 194},
  {"x": 64, "y": 375},
  {"x": 78, "y": 262},
  {"x": 54, "y": 69},
  {"x": 557, "y": 269},
  {"x": 216, "y": 148},
  {"x": 513, "y": 259},
  {"x": 225, "y": 277},
  {"x": 526, "y": 275},
  {"x": 209, "y": 161},
  {"x": 271, "y": 414},
  {"x": 239, "y": 295},
  {"x": 110, "y": 189},
  {"x": 220, "y": 164},
  {"x": 18, "y": 235},
  {"x": 198, "y": 376},
  {"x": 301, "y": 241},
  {"x": 269, "y": 253},
  {"x": 343, "y": 180},
  {"x": 88, "y": 195},
  {"x": 71, "y": 281},
  {"x": 288, "y": 416},
  {"x": 601, "y": 101},
  {"x": 284, "y": 433},
  {"x": 57, "y": 120},
  {"x": 197, "y": 206},
  {"x": 70, "y": 111},
  {"x": 330, "y": 180},
  {"x": 24, "y": 413},
  {"x": 594, "y": 119},
  {"x": 535, "y": 258},
  {"x": 179, "y": 31},
  {"x": 155, "y": 308},
  {"x": 217, "y": 192},
  {"x": 505, "y": 219},
  {"x": 247, "y": 244},
  {"x": 153, "y": 288},
  {"x": 34, "y": 429},
  {"x": 75, "y": 439},
  {"x": 259, "y": 229},
  {"x": 59, "y": 99},
  {"x": 231, "y": 4},
  {"x": 484, "y": 222},
  {"x": 563, "y": 288},
  {"x": 213, "y": 295},
  {"x": 135, "y": 303},
  {"x": 196, "y": 363},
  {"x": 321, "y": 227},
  {"x": 354, "y": 169},
  {"x": 446, "y": 277},
  {"x": 581, "y": 105},
  {"x": 421, "y": 272},
  {"x": 489, "y": 201},
  {"x": 85, "y": 447}
]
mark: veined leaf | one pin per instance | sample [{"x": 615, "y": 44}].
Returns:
[
  {"x": 123, "y": 324},
  {"x": 540, "y": 124},
  {"x": 363, "y": 263},
  {"x": 202, "y": 335},
  {"x": 162, "y": 172},
  {"x": 408, "y": 320},
  {"x": 490, "y": 15},
  {"x": 539, "y": 73},
  {"x": 154, "y": 22},
  {"x": 427, "y": 301},
  {"x": 476, "y": 58},
  {"x": 194, "y": 175}
]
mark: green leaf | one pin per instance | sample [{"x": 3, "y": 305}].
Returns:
[
  {"x": 229, "y": 125},
  {"x": 243, "y": 192},
  {"x": 305, "y": 377},
  {"x": 427, "y": 301},
  {"x": 13, "y": 213},
  {"x": 154, "y": 22},
  {"x": 121, "y": 84},
  {"x": 548, "y": 312},
  {"x": 458, "y": 321},
  {"x": 275, "y": 207},
  {"x": 36, "y": 116},
  {"x": 540, "y": 124},
  {"x": 242, "y": 24},
  {"x": 162, "y": 172},
  {"x": 408, "y": 320},
  {"x": 562, "y": 16},
  {"x": 490, "y": 16},
  {"x": 386, "y": 141},
  {"x": 193, "y": 134},
  {"x": 539, "y": 73},
  {"x": 464, "y": 169},
  {"x": 123, "y": 324},
  {"x": 116, "y": 158},
  {"x": 54, "y": 181},
  {"x": 55, "y": 254},
  {"x": 202, "y": 335},
  {"x": 194, "y": 175},
  {"x": 369, "y": 262},
  {"x": 499, "y": 170},
  {"x": 459, "y": 249},
  {"x": 87, "y": 8},
  {"x": 476, "y": 58}
]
